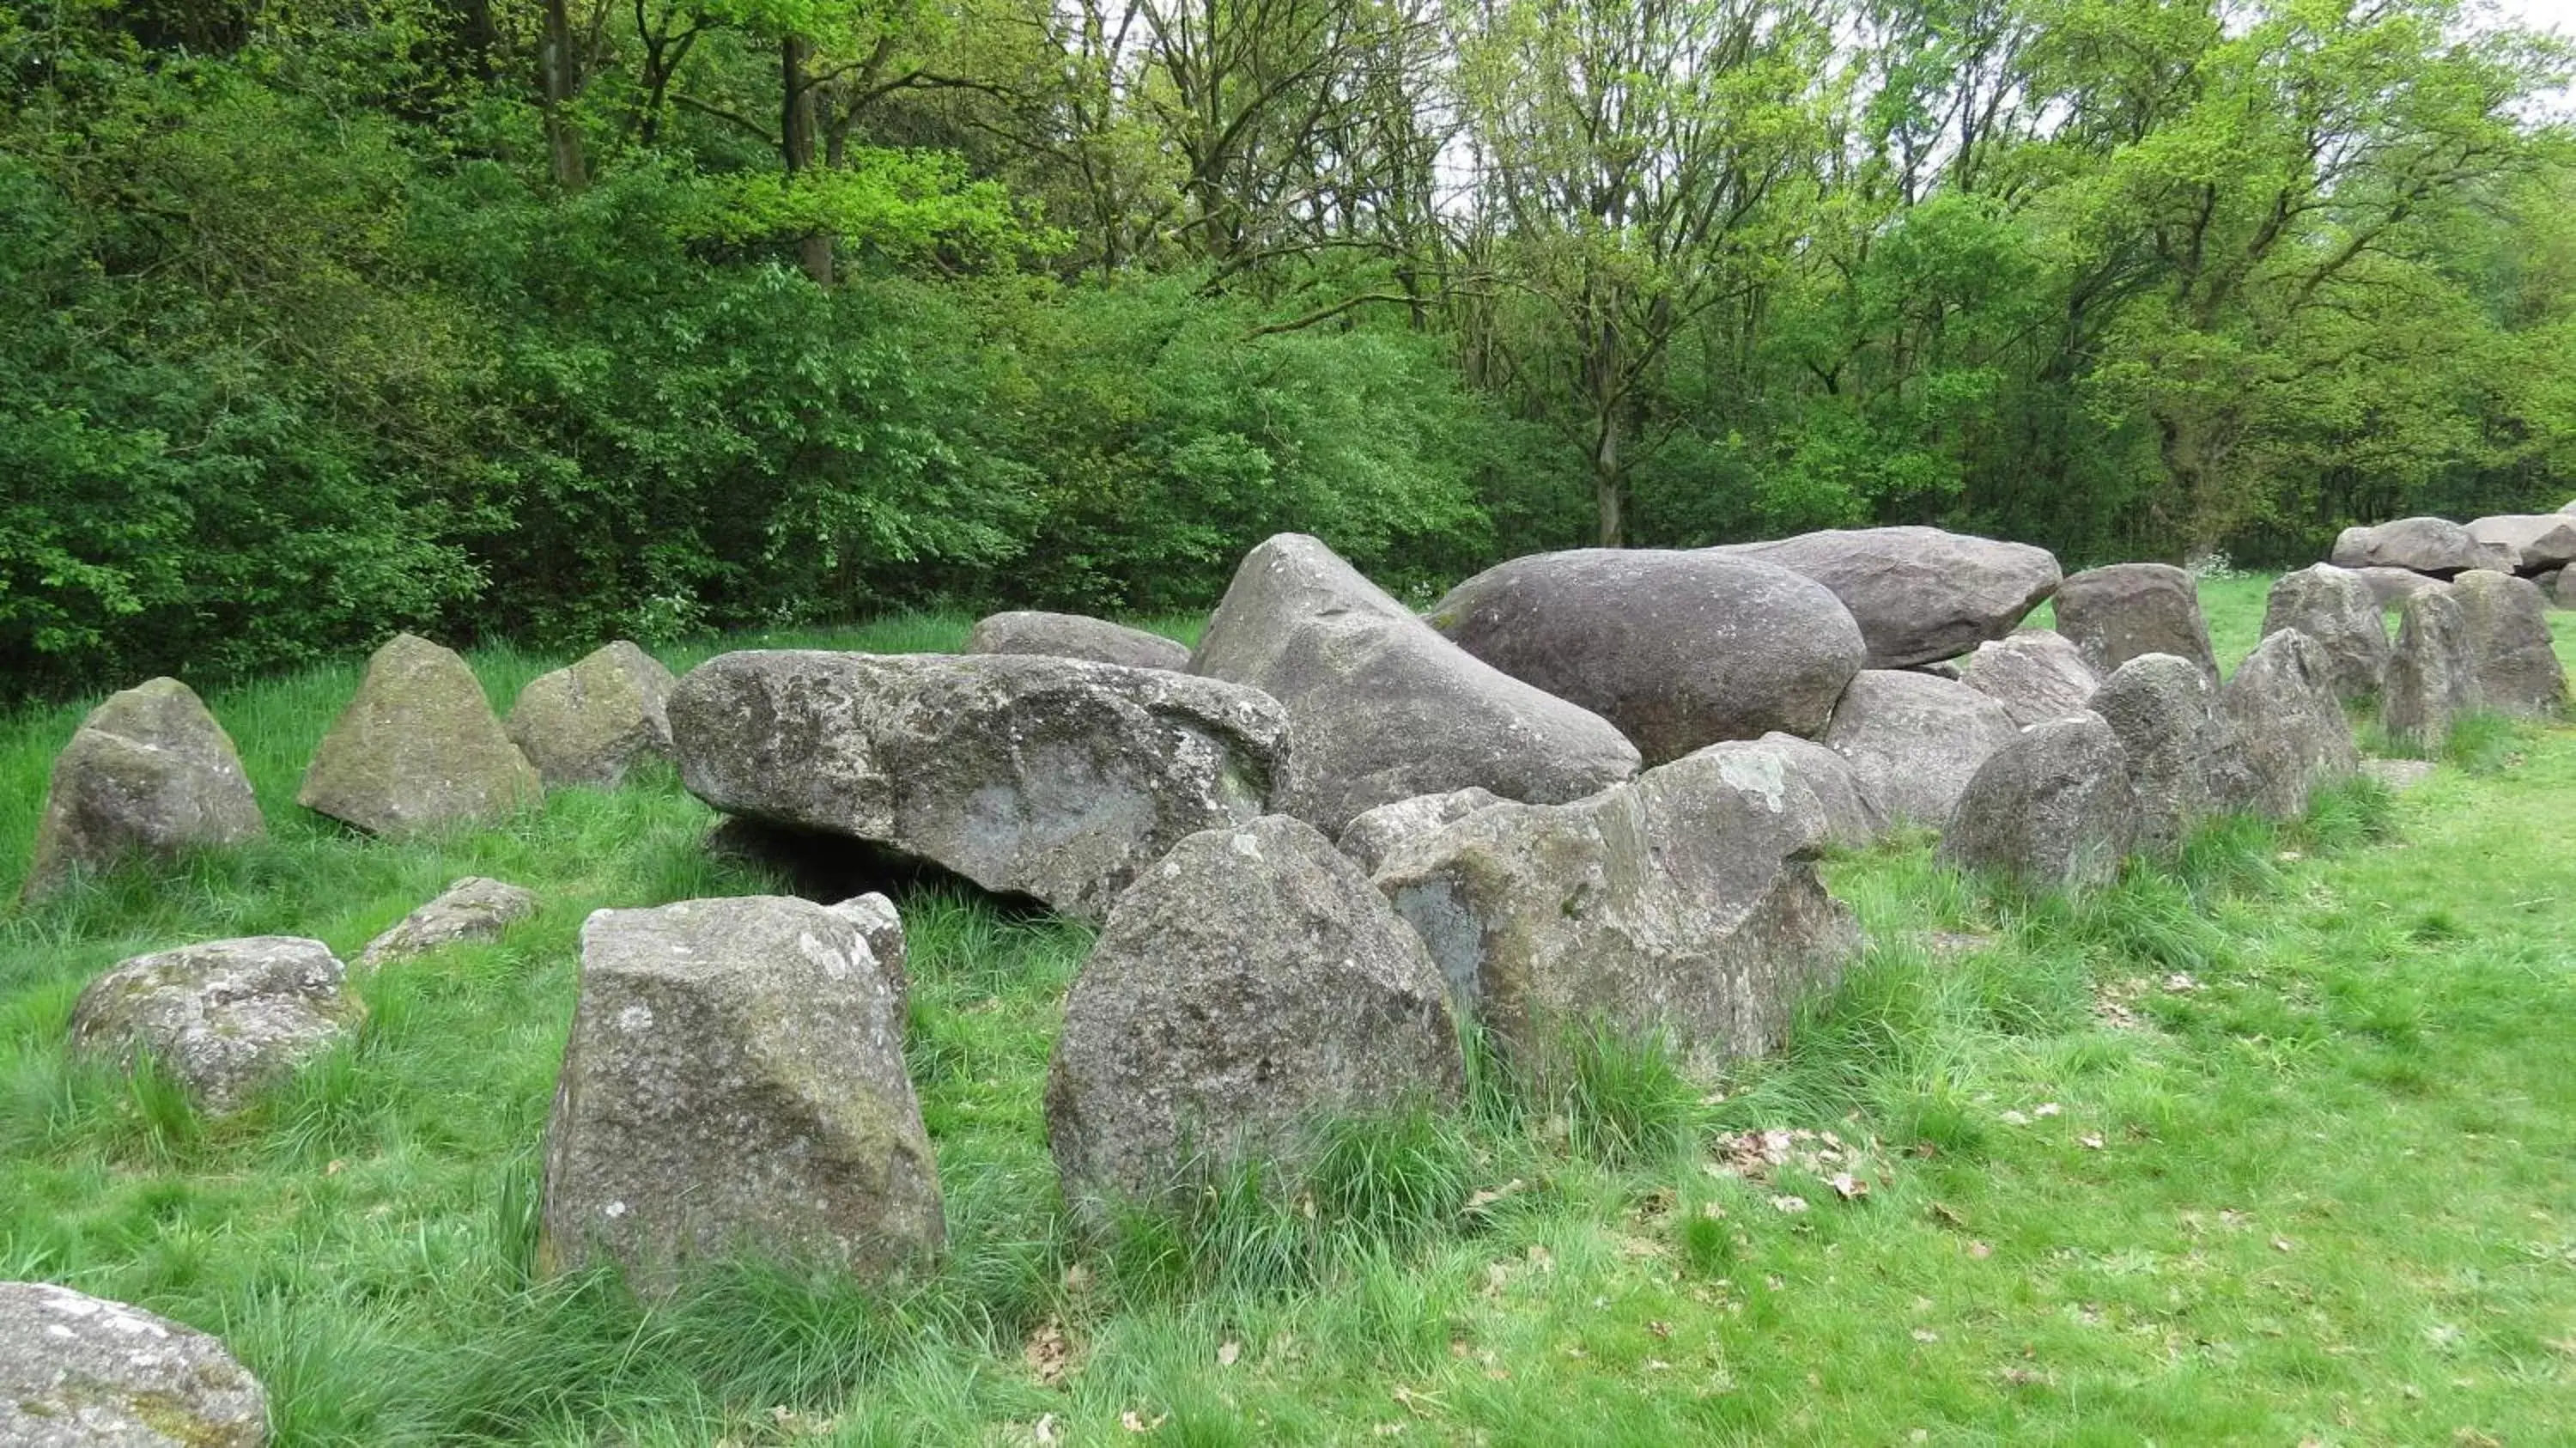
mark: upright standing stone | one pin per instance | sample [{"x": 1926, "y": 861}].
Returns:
[
  {"x": 2114, "y": 614},
  {"x": 1046, "y": 777},
  {"x": 2181, "y": 762},
  {"x": 2432, "y": 673},
  {"x": 148, "y": 773},
  {"x": 596, "y": 721},
  {"x": 1076, "y": 636},
  {"x": 735, "y": 1085},
  {"x": 2289, "y": 726},
  {"x": 1248, "y": 985},
  {"x": 2035, "y": 674},
  {"x": 1914, "y": 741},
  {"x": 2335, "y": 607},
  {"x": 1680, "y": 650},
  {"x": 1382, "y": 707},
  {"x": 2053, "y": 809},
  {"x": 1919, "y": 594},
  {"x": 418, "y": 749},
  {"x": 226, "y": 1019},
  {"x": 2508, "y": 631},
  {"x": 1686, "y": 903},
  {"x": 82, "y": 1372}
]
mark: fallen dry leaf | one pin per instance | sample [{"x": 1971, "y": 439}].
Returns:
[
  {"x": 1049, "y": 1354},
  {"x": 1789, "y": 1204},
  {"x": 1135, "y": 1422},
  {"x": 1850, "y": 1188},
  {"x": 1227, "y": 1352},
  {"x": 1925, "y": 1334},
  {"x": 2014, "y": 1118},
  {"x": 2280, "y": 1244},
  {"x": 1484, "y": 1199},
  {"x": 1045, "y": 1431},
  {"x": 2046, "y": 1108},
  {"x": 1980, "y": 1251},
  {"x": 2091, "y": 1140}
]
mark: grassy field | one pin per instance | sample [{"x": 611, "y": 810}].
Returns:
[{"x": 2277, "y": 1147}]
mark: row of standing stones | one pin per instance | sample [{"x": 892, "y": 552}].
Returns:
[{"x": 1585, "y": 788}]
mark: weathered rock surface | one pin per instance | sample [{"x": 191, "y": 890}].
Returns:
[
  {"x": 2390, "y": 587},
  {"x": 148, "y": 773},
  {"x": 2432, "y": 680},
  {"x": 1919, "y": 594},
  {"x": 1678, "y": 649},
  {"x": 595, "y": 721},
  {"x": 1687, "y": 903},
  {"x": 1046, "y": 777},
  {"x": 2336, "y": 607},
  {"x": 2181, "y": 761},
  {"x": 223, "y": 1019},
  {"x": 2114, "y": 614},
  {"x": 2053, "y": 809},
  {"x": 735, "y": 1084},
  {"x": 2289, "y": 727},
  {"x": 2518, "y": 671},
  {"x": 2536, "y": 540},
  {"x": 1914, "y": 741},
  {"x": 82, "y": 1372},
  {"x": 1076, "y": 636},
  {"x": 1248, "y": 984},
  {"x": 1852, "y": 819},
  {"x": 2547, "y": 581},
  {"x": 2035, "y": 674},
  {"x": 418, "y": 749},
  {"x": 2423, "y": 545},
  {"x": 1382, "y": 707},
  {"x": 1380, "y": 832},
  {"x": 472, "y": 909},
  {"x": 2563, "y": 592}
]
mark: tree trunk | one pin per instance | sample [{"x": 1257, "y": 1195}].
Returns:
[
  {"x": 797, "y": 131},
  {"x": 1609, "y": 489},
  {"x": 559, "y": 77}
]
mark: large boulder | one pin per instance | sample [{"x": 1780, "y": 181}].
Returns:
[
  {"x": 418, "y": 749},
  {"x": 1382, "y": 707},
  {"x": 2288, "y": 724},
  {"x": 2432, "y": 680},
  {"x": 2536, "y": 540},
  {"x": 2053, "y": 809},
  {"x": 2035, "y": 674},
  {"x": 2422, "y": 545},
  {"x": 1051, "y": 778},
  {"x": 2114, "y": 614},
  {"x": 2508, "y": 630},
  {"x": 472, "y": 909},
  {"x": 2336, "y": 607},
  {"x": 2175, "y": 746},
  {"x": 2563, "y": 591},
  {"x": 595, "y": 721},
  {"x": 1914, "y": 741},
  {"x": 148, "y": 773},
  {"x": 1852, "y": 819},
  {"x": 1685, "y": 904},
  {"x": 1378, "y": 833},
  {"x": 1919, "y": 594},
  {"x": 1248, "y": 985},
  {"x": 1076, "y": 636},
  {"x": 1680, "y": 650},
  {"x": 224, "y": 1019},
  {"x": 735, "y": 1084},
  {"x": 82, "y": 1372},
  {"x": 2390, "y": 587}
]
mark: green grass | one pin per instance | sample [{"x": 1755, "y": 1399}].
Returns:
[{"x": 2278, "y": 1145}]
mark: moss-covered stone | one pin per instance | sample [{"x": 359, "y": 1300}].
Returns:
[{"x": 418, "y": 749}]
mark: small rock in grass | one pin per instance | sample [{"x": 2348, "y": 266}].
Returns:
[
  {"x": 418, "y": 749},
  {"x": 82, "y": 1372},
  {"x": 225, "y": 1018},
  {"x": 472, "y": 909}
]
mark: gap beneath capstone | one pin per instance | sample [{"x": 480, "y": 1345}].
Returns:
[{"x": 827, "y": 868}]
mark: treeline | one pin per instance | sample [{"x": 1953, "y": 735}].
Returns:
[{"x": 560, "y": 319}]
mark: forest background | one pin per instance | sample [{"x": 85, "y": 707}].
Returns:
[{"x": 557, "y": 320}]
